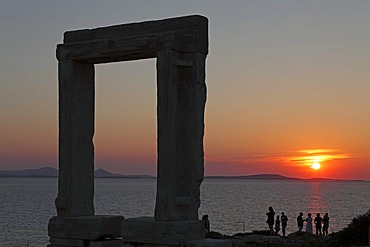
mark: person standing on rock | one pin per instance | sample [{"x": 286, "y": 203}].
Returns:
[
  {"x": 284, "y": 222},
  {"x": 270, "y": 220},
  {"x": 206, "y": 222},
  {"x": 318, "y": 224},
  {"x": 309, "y": 224},
  {"x": 300, "y": 222},
  {"x": 277, "y": 225},
  {"x": 325, "y": 226}
]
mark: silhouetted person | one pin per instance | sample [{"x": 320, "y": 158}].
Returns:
[
  {"x": 325, "y": 226},
  {"x": 300, "y": 222},
  {"x": 206, "y": 222},
  {"x": 309, "y": 224},
  {"x": 284, "y": 222},
  {"x": 270, "y": 220},
  {"x": 318, "y": 224},
  {"x": 277, "y": 225}
]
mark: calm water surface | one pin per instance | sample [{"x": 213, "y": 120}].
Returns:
[{"x": 232, "y": 205}]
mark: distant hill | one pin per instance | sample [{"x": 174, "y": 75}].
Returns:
[
  {"x": 39, "y": 172},
  {"x": 49, "y": 172},
  {"x": 280, "y": 177},
  {"x": 258, "y": 176},
  {"x": 101, "y": 173},
  {"x": 105, "y": 174}
]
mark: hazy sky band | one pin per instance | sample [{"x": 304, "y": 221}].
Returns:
[{"x": 282, "y": 76}]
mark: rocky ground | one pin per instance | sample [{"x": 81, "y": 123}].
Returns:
[
  {"x": 261, "y": 239},
  {"x": 295, "y": 239}
]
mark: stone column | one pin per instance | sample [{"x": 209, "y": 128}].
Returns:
[
  {"x": 76, "y": 130},
  {"x": 180, "y": 110}
]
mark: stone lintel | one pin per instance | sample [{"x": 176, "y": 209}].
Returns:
[
  {"x": 135, "y": 41},
  {"x": 146, "y": 230},
  {"x": 85, "y": 227},
  {"x": 111, "y": 50},
  {"x": 127, "y": 48},
  {"x": 194, "y": 25}
]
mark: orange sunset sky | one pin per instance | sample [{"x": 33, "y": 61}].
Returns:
[{"x": 288, "y": 86}]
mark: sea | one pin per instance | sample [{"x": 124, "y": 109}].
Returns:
[{"x": 233, "y": 205}]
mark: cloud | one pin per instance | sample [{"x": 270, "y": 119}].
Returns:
[
  {"x": 271, "y": 158},
  {"x": 292, "y": 158},
  {"x": 315, "y": 151},
  {"x": 309, "y": 156}
]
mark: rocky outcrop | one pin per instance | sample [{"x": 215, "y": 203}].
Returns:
[{"x": 295, "y": 239}]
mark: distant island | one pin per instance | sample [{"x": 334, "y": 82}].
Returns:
[
  {"x": 50, "y": 172},
  {"x": 279, "y": 177}
]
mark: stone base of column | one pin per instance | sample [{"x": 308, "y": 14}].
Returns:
[
  {"x": 89, "y": 228},
  {"x": 146, "y": 230},
  {"x": 67, "y": 242},
  {"x": 210, "y": 243},
  {"x": 62, "y": 242},
  {"x": 107, "y": 243}
]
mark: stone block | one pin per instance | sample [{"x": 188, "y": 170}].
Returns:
[
  {"x": 76, "y": 131},
  {"x": 156, "y": 245},
  {"x": 85, "y": 227},
  {"x": 107, "y": 243},
  {"x": 210, "y": 243},
  {"x": 180, "y": 116},
  {"x": 68, "y": 242},
  {"x": 134, "y": 41},
  {"x": 146, "y": 230}
]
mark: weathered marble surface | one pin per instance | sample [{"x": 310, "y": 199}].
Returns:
[
  {"x": 188, "y": 34},
  {"x": 85, "y": 227},
  {"x": 62, "y": 242},
  {"x": 68, "y": 242},
  {"x": 76, "y": 131},
  {"x": 210, "y": 243},
  {"x": 181, "y": 47},
  {"x": 181, "y": 101},
  {"x": 147, "y": 230},
  {"x": 107, "y": 243}
]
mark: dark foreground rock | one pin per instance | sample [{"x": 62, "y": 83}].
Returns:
[
  {"x": 262, "y": 239},
  {"x": 294, "y": 239}
]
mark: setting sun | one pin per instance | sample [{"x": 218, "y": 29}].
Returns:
[
  {"x": 316, "y": 166},
  {"x": 318, "y": 159}
]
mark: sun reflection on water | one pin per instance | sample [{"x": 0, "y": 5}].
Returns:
[{"x": 317, "y": 202}]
